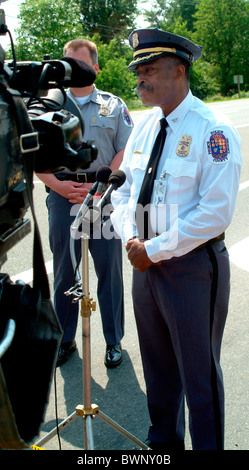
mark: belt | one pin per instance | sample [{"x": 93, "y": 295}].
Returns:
[
  {"x": 210, "y": 242},
  {"x": 77, "y": 177}
]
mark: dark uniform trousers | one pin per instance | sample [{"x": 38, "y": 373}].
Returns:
[
  {"x": 181, "y": 308},
  {"x": 107, "y": 256}
]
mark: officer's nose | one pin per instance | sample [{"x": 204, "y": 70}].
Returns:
[
  {"x": 140, "y": 77},
  {"x": 139, "y": 74}
]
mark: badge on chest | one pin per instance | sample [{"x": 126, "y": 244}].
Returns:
[
  {"x": 104, "y": 110},
  {"x": 184, "y": 146}
]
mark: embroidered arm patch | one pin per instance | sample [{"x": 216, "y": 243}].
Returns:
[
  {"x": 126, "y": 116},
  {"x": 218, "y": 147}
]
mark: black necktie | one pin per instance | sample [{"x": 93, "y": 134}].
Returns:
[{"x": 144, "y": 197}]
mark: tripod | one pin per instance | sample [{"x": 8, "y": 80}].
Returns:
[{"x": 88, "y": 410}]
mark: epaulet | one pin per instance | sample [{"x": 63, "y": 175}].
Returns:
[{"x": 110, "y": 95}]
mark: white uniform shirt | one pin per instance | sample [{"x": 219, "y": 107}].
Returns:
[{"x": 200, "y": 164}]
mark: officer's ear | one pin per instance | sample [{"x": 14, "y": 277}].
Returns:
[
  {"x": 180, "y": 72},
  {"x": 96, "y": 68}
]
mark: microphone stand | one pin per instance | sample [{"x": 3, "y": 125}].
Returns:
[{"x": 88, "y": 410}]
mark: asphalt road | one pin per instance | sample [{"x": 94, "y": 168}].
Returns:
[{"x": 120, "y": 393}]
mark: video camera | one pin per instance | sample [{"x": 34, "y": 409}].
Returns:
[
  {"x": 41, "y": 130},
  {"x": 40, "y": 122}
]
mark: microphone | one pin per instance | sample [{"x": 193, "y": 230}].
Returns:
[
  {"x": 68, "y": 72},
  {"x": 116, "y": 179},
  {"x": 102, "y": 176},
  {"x": 81, "y": 74},
  {"x": 93, "y": 215}
]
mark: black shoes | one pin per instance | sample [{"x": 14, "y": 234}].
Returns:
[
  {"x": 113, "y": 355},
  {"x": 64, "y": 352}
]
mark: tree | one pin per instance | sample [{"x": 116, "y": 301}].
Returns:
[
  {"x": 113, "y": 75},
  {"x": 45, "y": 26},
  {"x": 222, "y": 29},
  {"x": 165, "y": 13},
  {"x": 158, "y": 13},
  {"x": 182, "y": 10},
  {"x": 108, "y": 18}
]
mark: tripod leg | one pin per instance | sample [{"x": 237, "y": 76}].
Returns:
[
  {"x": 121, "y": 430},
  {"x": 57, "y": 429},
  {"x": 87, "y": 411},
  {"x": 88, "y": 433}
]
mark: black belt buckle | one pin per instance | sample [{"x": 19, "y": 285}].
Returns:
[{"x": 81, "y": 175}]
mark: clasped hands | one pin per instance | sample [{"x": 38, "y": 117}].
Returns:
[{"x": 137, "y": 255}]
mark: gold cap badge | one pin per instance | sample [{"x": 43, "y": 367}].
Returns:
[{"x": 135, "y": 40}]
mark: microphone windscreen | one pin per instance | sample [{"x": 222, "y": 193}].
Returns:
[
  {"x": 103, "y": 173},
  {"x": 82, "y": 73},
  {"x": 117, "y": 178}
]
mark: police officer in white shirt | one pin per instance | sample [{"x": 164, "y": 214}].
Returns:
[{"x": 181, "y": 268}]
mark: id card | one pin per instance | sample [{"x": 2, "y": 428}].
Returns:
[{"x": 159, "y": 193}]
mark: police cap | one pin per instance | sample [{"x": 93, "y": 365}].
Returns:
[{"x": 150, "y": 44}]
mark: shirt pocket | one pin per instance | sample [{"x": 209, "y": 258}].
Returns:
[
  {"x": 138, "y": 162},
  {"x": 136, "y": 166},
  {"x": 181, "y": 180},
  {"x": 103, "y": 122}
]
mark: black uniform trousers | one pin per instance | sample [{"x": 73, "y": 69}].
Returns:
[{"x": 181, "y": 308}]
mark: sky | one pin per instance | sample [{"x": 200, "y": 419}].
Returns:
[{"x": 11, "y": 9}]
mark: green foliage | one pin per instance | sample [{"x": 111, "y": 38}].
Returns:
[
  {"x": 115, "y": 79},
  {"x": 157, "y": 14},
  {"x": 113, "y": 75},
  {"x": 108, "y": 18},
  {"x": 222, "y": 28},
  {"x": 45, "y": 26},
  {"x": 203, "y": 84}
]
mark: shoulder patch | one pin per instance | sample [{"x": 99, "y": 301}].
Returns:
[
  {"x": 218, "y": 147},
  {"x": 126, "y": 116}
]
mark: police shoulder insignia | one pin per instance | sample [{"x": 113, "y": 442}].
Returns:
[
  {"x": 184, "y": 146},
  {"x": 126, "y": 116},
  {"x": 218, "y": 147}
]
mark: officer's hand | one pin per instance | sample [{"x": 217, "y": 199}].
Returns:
[
  {"x": 68, "y": 189},
  {"x": 73, "y": 191},
  {"x": 137, "y": 255},
  {"x": 79, "y": 192}
]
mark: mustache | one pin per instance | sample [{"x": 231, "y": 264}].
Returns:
[{"x": 144, "y": 87}]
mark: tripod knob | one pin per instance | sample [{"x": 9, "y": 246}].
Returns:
[{"x": 87, "y": 305}]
